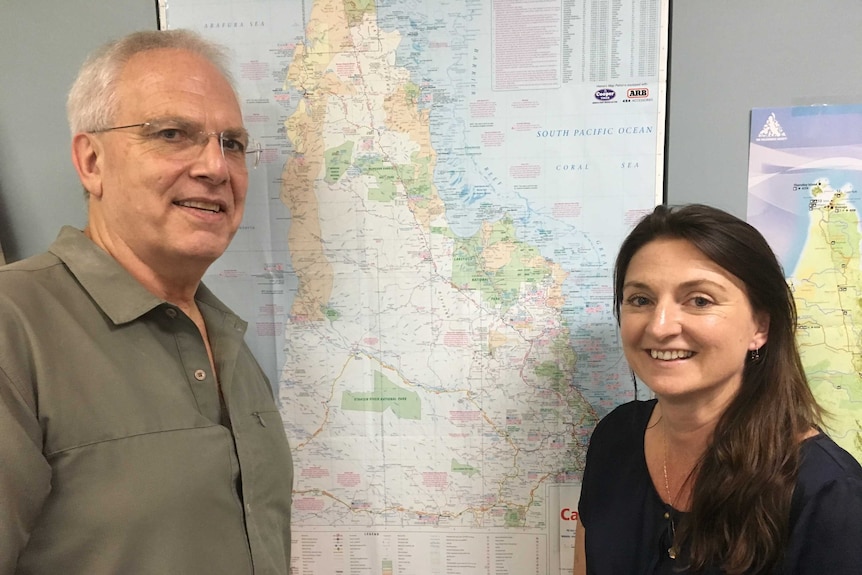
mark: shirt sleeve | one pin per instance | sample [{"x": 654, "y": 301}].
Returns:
[
  {"x": 587, "y": 482},
  {"x": 25, "y": 475},
  {"x": 827, "y": 537},
  {"x": 609, "y": 442}
]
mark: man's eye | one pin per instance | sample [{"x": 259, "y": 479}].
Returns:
[
  {"x": 172, "y": 134},
  {"x": 700, "y": 301},
  {"x": 233, "y": 145}
]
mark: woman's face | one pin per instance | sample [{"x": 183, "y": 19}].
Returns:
[{"x": 686, "y": 323}]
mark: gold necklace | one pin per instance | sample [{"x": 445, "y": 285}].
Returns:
[{"x": 672, "y": 550}]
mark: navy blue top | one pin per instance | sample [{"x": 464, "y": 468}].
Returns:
[{"x": 627, "y": 532}]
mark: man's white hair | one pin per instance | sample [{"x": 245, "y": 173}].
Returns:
[{"x": 92, "y": 102}]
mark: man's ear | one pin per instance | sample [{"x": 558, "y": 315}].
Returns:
[{"x": 87, "y": 158}]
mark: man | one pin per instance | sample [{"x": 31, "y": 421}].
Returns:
[{"x": 137, "y": 432}]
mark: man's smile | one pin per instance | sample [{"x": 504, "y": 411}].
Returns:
[{"x": 210, "y": 207}]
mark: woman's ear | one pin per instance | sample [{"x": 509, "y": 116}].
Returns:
[{"x": 761, "y": 320}]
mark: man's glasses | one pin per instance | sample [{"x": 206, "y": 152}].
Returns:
[{"x": 184, "y": 141}]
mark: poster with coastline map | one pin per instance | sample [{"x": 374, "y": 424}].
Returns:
[
  {"x": 425, "y": 260},
  {"x": 805, "y": 173}
]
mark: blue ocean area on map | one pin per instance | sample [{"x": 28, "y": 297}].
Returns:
[{"x": 789, "y": 196}]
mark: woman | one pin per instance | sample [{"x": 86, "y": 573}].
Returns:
[{"x": 726, "y": 471}]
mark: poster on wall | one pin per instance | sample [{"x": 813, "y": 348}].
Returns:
[
  {"x": 805, "y": 172},
  {"x": 426, "y": 257}
]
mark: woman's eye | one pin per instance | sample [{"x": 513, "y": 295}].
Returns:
[
  {"x": 638, "y": 300},
  {"x": 700, "y": 301}
]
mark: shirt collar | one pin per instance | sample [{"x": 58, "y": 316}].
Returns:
[{"x": 120, "y": 296}]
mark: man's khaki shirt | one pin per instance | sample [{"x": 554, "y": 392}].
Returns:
[{"x": 113, "y": 454}]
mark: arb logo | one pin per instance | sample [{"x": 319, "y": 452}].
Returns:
[
  {"x": 568, "y": 514},
  {"x": 638, "y": 93}
]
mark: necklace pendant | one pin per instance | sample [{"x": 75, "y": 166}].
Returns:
[{"x": 671, "y": 552}]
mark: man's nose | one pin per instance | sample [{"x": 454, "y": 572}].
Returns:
[{"x": 211, "y": 162}]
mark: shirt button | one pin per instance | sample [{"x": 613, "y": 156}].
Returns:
[
  {"x": 248, "y": 508},
  {"x": 200, "y": 374},
  {"x": 171, "y": 313},
  {"x": 666, "y": 515}
]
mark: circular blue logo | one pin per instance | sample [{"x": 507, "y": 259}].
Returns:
[{"x": 605, "y": 94}]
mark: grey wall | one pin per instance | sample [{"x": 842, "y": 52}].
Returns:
[
  {"x": 726, "y": 58},
  {"x": 730, "y": 56},
  {"x": 42, "y": 44}
]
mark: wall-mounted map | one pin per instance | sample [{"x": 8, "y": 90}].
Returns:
[
  {"x": 805, "y": 169},
  {"x": 426, "y": 260}
]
